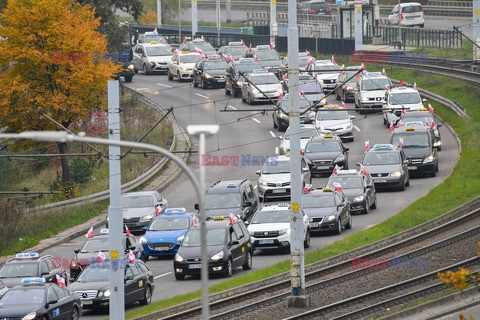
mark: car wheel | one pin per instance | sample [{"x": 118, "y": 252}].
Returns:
[
  {"x": 282, "y": 128},
  {"x": 306, "y": 242},
  {"x": 227, "y": 92},
  {"x": 179, "y": 78},
  {"x": 75, "y": 313},
  {"x": 336, "y": 95},
  {"x": 436, "y": 168},
  {"x": 204, "y": 84},
  {"x": 384, "y": 120},
  {"x": 169, "y": 76},
  {"x": 408, "y": 182},
  {"x": 374, "y": 204},
  {"x": 145, "y": 71},
  {"x": 434, "y": 173},
  {"x": 367, "y": 207},
  {"x": 229, "y": 269},
  {"x": 274, "y": 123},
  {"x": 235, "y": 93},
  {"x": 195, "y": 83},
  {"x": 339, "y": 227},
  {"x": 350, "y": 222},
  {"x": 147, "y": 296},
  {"x": 135, "y": 70},
  {"x": 402, "y": 187},
  {"x": 248, "y": 261},
  {"x": 143, "y": 257},
  {"x": 179, "y": 276},
  {"x": 128, "y": 79},
  {"x": 243, "y": 99},
  {"x": 249, "y": 98}
]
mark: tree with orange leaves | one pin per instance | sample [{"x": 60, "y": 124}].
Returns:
[{"x": 52, "y": 66}]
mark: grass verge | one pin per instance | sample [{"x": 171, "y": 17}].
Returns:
[{"x": 463, "y": 185}]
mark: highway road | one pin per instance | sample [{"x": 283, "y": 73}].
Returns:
[{"x": 254, "y": 135}]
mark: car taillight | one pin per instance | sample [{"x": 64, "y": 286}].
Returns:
[
  {"x": 311, "y": 10},
  {"x": 401, "y": 16},
  {"x": 328, "y": 9}
]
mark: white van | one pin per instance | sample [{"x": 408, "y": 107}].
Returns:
[{"x": 407, "y": 14}]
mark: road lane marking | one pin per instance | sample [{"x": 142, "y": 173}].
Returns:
[
  {"x": 256, "y": 120},
  {"x": 233, "y": 107},
  {"x": 273, "y": 134},
  {"x": 255, "y": 186},
  {"x": 201, "y": 95},
  {"x": 162, "y": 275},
  {"x": 164, "y": 85},
  {"x": 357, "y": 128}
]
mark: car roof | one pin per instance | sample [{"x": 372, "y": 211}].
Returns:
[
  {"x": 226, "y": 186},
  {"x": 402, "y": 89},
  {"x": 174, "y": 215},
  {"x": 320, "y": 191},
  {"x": 373, "y": 75},
  {"x": 417, "y": 113},
  {"x": 140, "y": 193},
  {"x": 411, "y": 129},
  {"x": 149, "y": 44},
  {"x": 323, "y": 138},
  {"x": 278, "y": 206},
  {"x": 347, "y": 173}
]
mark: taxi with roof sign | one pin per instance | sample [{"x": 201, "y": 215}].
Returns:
[
  {"x": 150, "y": 36},
  {"x": 210, "y": 72},
  {"x": 387, "y": 165},
  {"x": 400, "y": 99},
  {"x": 308, "y": 88},
  {"x": 181, "y": 65},
  {"x": 31, "y": 265},
  {"x": 262, "y": 86},
  {"x": 427, "y": 118},
  {"x": 99, "y": 243},
  {"x": 347, "y": 83},
  {"x": 165, "y": 233},
  {"x": 357, "y": 186},
  {"x": 303, "y": 59},
  {"x": 151, "y": 57},
  {"x": 269, "y": 228},
  {"x": 418, "y": 144},
  {"x": 307, "y": 131},
  {"x": 228, "y": 247},
  {"x": 280, "y": 113},
  {"x": 326, "y": 152},
  {"x": 326, "y": 72},
  {"x": 233, "y": 51},
  {"x": 236, "y": 72},
  {"x": 370, "y": 90},
  {"x": 198, "y": 45},
  {"x": 335, "y": 120},
  {"x": 268, "y": 58},
  {"x": 36, "y": 299},
  {"x": 327, "y": 210}
]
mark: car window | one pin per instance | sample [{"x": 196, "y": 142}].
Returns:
[
  {"x": 318, "y": 201},
  {"x": 412, "y": 9},
  {"x": 233, "y": 236},
  {"x": 322, "y": 146},
  {"x": 381, "y": 158},
  {"x": 60, "y": 292},
  {"x": 338, "y": 198},
  {"x": 238, "y": 231},
  {"x": 128, "y": 272},
  {"x": 51, "y": 295},
  {"x": 136, "y": 271},
  {"x": 44, "y": 267},
  {"x": 142, "y": 267}
]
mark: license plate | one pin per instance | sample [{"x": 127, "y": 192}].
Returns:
[
  {"x": 279, "y": 190},
  {"x": 266, "y": 241},
  {"x": 162, "y": 248},
  {"x": 380, "y": 180},
  {"x": 323, "y": 167},
  {"x": 412, "y": 168},
  {"x": 85, "y": 302},
  {"x": 314, "y": 225},
  {"x": 195, "y": 266},
  {"x": 329, "y": 86}
]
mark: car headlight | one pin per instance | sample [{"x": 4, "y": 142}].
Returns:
[
  {"x": 178, "y": 258},
  {"x": 364, "y": 98},
  {"x": 217, "y": 256},
  {"x": 208, "y": 76},
  {"x": 105, "y": 293},
  {"x": 396, "y": 174},
  {"x": 262, "y": 182},
  {"x": 320, "y": 80},
  {"x": 428, "y": 159},
  {"x": 280, "y": 90},
  {"x": 143, "y": 240},
  {"x": 349, "y": 88},
  {"x": 310, "y": 219},
  {"x": 323, "y": 101},
  {"x": 148, "y": 217},
  {"x": 347, "y": 126},
  {"x": 330, "y": 218},
  {"x": 30, "y": 316},
  {"x": 180, "y": 239},
  {"x": 358, "y": 198},
  {"x": 321, "y": 128},
  {"x": 239, "y": 83},
  {"x": 340, "y": 158},
  {"x": 283, "y": 232},
  {"x": 283, "y": 115},
  {"x": 150, "y": 60},
  {"x": 131, "y": 67},
  {"x": 255, "y": 91}
]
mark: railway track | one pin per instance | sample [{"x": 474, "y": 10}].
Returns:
[{"x": 242, "y": 305}]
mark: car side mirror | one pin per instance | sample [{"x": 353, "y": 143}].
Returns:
[
  {"x": 132, "y": 247},
  {"x": 280, "y": 137},
  {"x": 247, "y": 223},
  {"x": 424, "y": 100},
  {"x": 129, "y": 278},
  {"x": 440, "y": 125},
  {"x": 234, "y": 243},
  {"x": 50, "y": 302},
  {"x": 144, "y": 228},
  {"x": 258, "y": 172},
  {"x": 352, "y": 117},
  {"x": 197, "y": 206},
  {"x": 306, "y": 169},
  {"x": 76, "y": 251},
  {"x": 248, "y": 204},
  {"x": 341, "y": 204},
  {"x": 405, "y": 161}
]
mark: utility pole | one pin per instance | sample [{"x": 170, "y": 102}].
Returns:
[
  {"x": 159, "y": 13},
  {"x": 273, "y": 20},
  {"x": 358, "y": 26},
  {"x": 228, "y": 9},
  {"x": 399, "y": 26},
  {"x": 115, "y": 214},
  {"x": 219, "y": 22},
  {"x": 194, "y": 19},
  {"x": 297, "y": 254},
  {"x": 476, "y": 28},
  {"x": 179, "y": 23}
]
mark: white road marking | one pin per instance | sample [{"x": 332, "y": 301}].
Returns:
[
  {"x": 273, "y": 134},
  {"x": 201, "y": 95},
  {"x": 233, "y": 107},
  {"x": 255, "y": 186},
  {"x": 164, "y": 85},
  {"x": 256, "y": 120},
  {"x": 356, "y": 128},
  {"x": 162, "y": 275}
]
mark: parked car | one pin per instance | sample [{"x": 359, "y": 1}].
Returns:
[
  {"x": 408, "y": 14},
  {"x": 314, "y": 7}
]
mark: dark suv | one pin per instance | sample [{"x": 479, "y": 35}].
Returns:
[
  {"x": 314, "y": 7},
  {"x": 234, "y": 196},
  {"x": 234, "y": 76}
]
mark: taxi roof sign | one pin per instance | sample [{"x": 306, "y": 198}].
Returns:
[
  {"x": 218, "y": 218},
  {"x": 153, "y": 42},
  {"x": 414, "y": 123},
  {"x": 328, "y": 106},
  {"x": 235, "y": 43},
  {"x": 328, "y": 135},
  {"x": 27, "y": 255},
  {"x": 33, "y": 280},
  {"x": 104, "y": 231},
  {"x": 175, "y": 210},
  {"x": 383, "y": 146},
  {"x": 374, "y": 73},
  {"x": 198, "y": 40},
  {"x": 302, "y": 54},
  {"x": 245, "y": 60},
  {"x": 185, "y": 52},
  {"x": 260, "y": 70},
  {"x": 349, "y": 171},
  {"x": 263, "y": 46},
  {"x": 409, "y": 128},
  {"x": 327, "y": 190},
  {"x": 213, "y": 56},
  {"x": 151, "y": 33}
]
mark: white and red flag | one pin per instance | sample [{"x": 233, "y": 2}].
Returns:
[
  {"x": 250, "y": 47},
  {"x": 241, "y": 41},
  {"x": 131, "y": 256},
  {"x": 400, "y": 142},
  {"x": 336, "y": 169},
  {"x": 337, "y": 186},
  {"x": 203, "y": 38},
  {"x": 128, "y": 231},
  {"x": 285, "y": 76},
  {"x": 89, "y": 233},
  {"x": 400, "y": 123},
  {"x": 272, "y": 45},
  {"x": 333, "y": 59},
  {"x": 341, "y": 68},
  {"x": 157, "y": 210},
  {"x": 232, "y": 218},
  {"x": 363, "y": 66},
  {"x": 401, "y": 83},
  {"x": 255, "y": 58},
  {"x": 362, "y": 169},
  {"x": 203, "y": 57},
  {"x": 433, "y": 125},
  {"x": 426, "y": 122},
  {"x": 391, "y": 127},
  {"x": 60, "y": 281},
  {"x": 303, "y": 94},
  {"x": 100, "y": 256},
  {"x": 344, "y": 105},
  {"x": 430, "y": 108},
  {"x": 280, "y": 96},
  {"x": 198, "y": 50},
  {"x": 224, "y": 56},
  {"x": 308, "y": 186},
  {"x": 384, "y": 72},
  {"x": 310, "y": 61},
  {"x": 367, "y": 145},
  {"x": 308, "y": 52},
  {"x": 184, "y": 40},
  {"x": 415, "y": 86},
  {"x": 177, "y": 51}
]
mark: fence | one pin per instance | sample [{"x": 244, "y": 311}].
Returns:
[{"x": 418, "y": 37}]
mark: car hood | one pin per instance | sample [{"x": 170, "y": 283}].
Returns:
[
  {"x": 327, "y": 76},
  {"x": 164, "y": 236},
  {"x": 286, "y": 144},
  {"x": 12, "y": 282},
  {"x": 269, "y": 87},
  {"x": 332, "y": 124},
  {"x": 94, "y": 285},
  {"x": 215, "y": 72},
  {"x": 223, "y": 212},
  {"x": 276, "y": 177},
  {"x": 270, "y": 63},
  {"x": 161, "y": 59},
  {"x": 137, "y": 212},
  {"x": 14, "y": 311},
  {"x": 194, "y": 252},
  {"x": 352, "y": 193},
  {"x": 268, "y": 226},
  {"x": 415, "y": 153},
  {"x": 319, "y": 212},
  {"x": 314, "y": 96},
  {"x": 187, "y": 65},
  {"x": 323, "y": 155},
  {"x": 374, "y": 94},
  {"x": 372, "y": 170},
  {"x": 410, "y": 106}
]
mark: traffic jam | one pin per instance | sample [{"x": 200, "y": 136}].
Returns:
[{"x": 243, "y": 216}]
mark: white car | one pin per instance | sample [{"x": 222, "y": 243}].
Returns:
[
  {"x": 181, "y": 66},
  {"x": 398, "y": 99},
  {"x": 370, "y": 90},
  {"x": 336, "y": 122},
  {"x": 270, "y": 228},
  {"x": 326, "y": 72},
  {"x": 407, "y": 14},
  {"x": 151, "y": 57},
  {"x": 306, "y": 132}
]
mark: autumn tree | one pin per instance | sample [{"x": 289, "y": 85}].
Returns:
[{"x": 53, "y": 66}]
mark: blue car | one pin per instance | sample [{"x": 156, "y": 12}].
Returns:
[{"x": 165, "y": 233}]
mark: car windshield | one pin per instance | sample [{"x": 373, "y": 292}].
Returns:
[
  {"x": 239, "y": 50},
  {"x": 96, "y": 273},
  {"x": 158, "y": 51},
  {"x": 381, "y": 158},
  {"x": 375, "y": 84},
  {"x": 264, "y": 79},
  {"x": 302, "y": 104},
  {"x": 322, "y": 146},
  {"x": 27, "y": 295},
  {"x": 326, "y": 67},
  {"x": 137, "y": 201},
  {"x": 271, "y": 216},
  {"x": 95, "y": 245},
  {"x": 151, "y": 37},
  {"x": 318, "y": 201},
  {"x": 223, "y": 200},
  {"x": 412, "y": 9},
  {"x": 191, "y": 58},
  {"x": 412, "y": 140},
  {"x": 205, "y": 46},
  {"x": 305, "y": 133},
  {"x": 275, "y": 166},
  {"x": 345, "y": 182},
  {"x": 404, "y": 98},
  {"x": 247, "y": 67},
  {"x": 216, "y": 65},
  {"x": 332, "y": 115},
  {"x": 17, "y": 270},
  {"x": 215, "y": 237},
  {"x": 267, "y": 55},
  {"x": 166, "y": 224},
  {"x": 302, "y": 61},
  {"x": 310, "y": 86},
  {"x": 349, "y": 75}
]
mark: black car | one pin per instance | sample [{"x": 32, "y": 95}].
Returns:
[
  {"x": 358, "y": 187},
  {"x": 268, "y": 58},
  {"x": 92, "y": 285},
  {"x": 327, "y": 209},
  {"x": 233, "y": 51},
  {"x": 31, "y": 265},
  {"x": 210, "y": 72},
  {"x": 426, "y": 118},
  {"x": 326, "y": 152},
  {"x": 235, "y": 74},
  {"x": 309, "y": 88},
  {"x": 228, "y": 247},
  {"x": 89, "y": 251},
  {"x": 418, "y": 144},
  {"x": 35, "y": 299},
  {"x": 231, "y": 196},
  {"x": 314, "y": 7},
  {"x": 281, "y": 120}
]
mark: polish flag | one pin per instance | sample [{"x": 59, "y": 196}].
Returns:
[
  {"x": 161, "y": 41},
  {"x": 307, "y": 187},
  {"x": 433, "y": 125},
  {"x": 336, "y": 169},
  {"x": 308, "y": 52},
  {"x": 358, "y": 75},
  {"x": 415, "y": 86},
  {"x": 387, "y": 88},
  {"x": 250, "y": 47},
  {"x": 203, "y": 38},
  {"x": 224, "y": 56},
  {"x": 242, "y": 42},
  {"x": 310, "y": 61},
  {"x": 157, "y": 210},
  {"x": 89, "y": 233},
  {"x": 60, "y": 281},
  {"x": 155, "y": 31},
  {"x": 344, "y": 105},
  {"x": 333, "y": 59},
  {"x": 337, "y": 186},
  {"x": 131, "y": 256},
  {"x": 390, "y": 128},
  {"x": 426, "y": 122},
  {"x": 272, "y": 45},
  {"x": 362, "y": 169},
  {"x": 184, "y": 40},
  {"x": 384, "y": 72},
  {"x": 341, "y": 68},
  {"x": 100, "y": 256},
  {"x": 303, "y": 94},
  {"x": 280, "y": 96},
  {"x": 285, "y": 76},
  {"x": 403, "y": 111},
  {"x": 367, "y": 145},
  {"x": 400, "y": 123},
  {"x": 231, "y": 59},
  {"x": 430, "y": 108},
  {"x": 198, "y": 50},
  {"x": 255, "y": 58},
  {"x": 363, "y": 66},
  {"x": 400, "y": 142},
  {"x": 193, "y": 222},
  {"x": 177, "y": 51},
  {"x": 128, "y": 231},
  {"x": 232, "y": 218},
  {"x": 401, "y": 83},
  {"x": 203, "y": 57}
]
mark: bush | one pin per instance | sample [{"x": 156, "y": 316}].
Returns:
[{"x": 81, "y": 170}]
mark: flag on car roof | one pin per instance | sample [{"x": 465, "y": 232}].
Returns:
[
  {"x": 344, "y": 105},
  {"x": 400, "y": 123},
  {"x": 89, "y": 233},
  {"x": 255, "y": 58},
  {"x": 390, "y": 128},
  {"x": 100, "y": 256},
  {"x": 157, "y": 210},
  {"x": 336, "y": 169},
  {"x": 184, "y": 39},
  {"x": 401, "y": 83},
  {"x": 400, "y": 142},
  {"x": 250, "y": 47},
  {"x": 341, "y": 68},
  {"x": 231, "y": 59},
  {"x": 415, "y": 86},
  {"x": 363, "y": 66},
  {"x": 224, "y": 56},
  {"x": 198, "y": 50},
  {"x": 307, "y": 187},
  {"x": 333, "y": 59},
  {"x": 280, "y": 96},
  {"x": 433, "y": 125},
  {"x": 60, "y": 281},
  {"x": 430, "y": 108},
  {"x": 310, "y": 61},
  {"x": 285, "y": 76},
  {"x": 242, "y": 42},
  {"x": 128, "y": 231},
  {"x": 272, "y": 45},
  {"x": 308, "y": 52},
  {"x": 362, "y": 169},
  {"x": 367, "y": 145},
  {"x": 384, "y": 72},
  {"x": 203, "y": 38},
  {"x": 177, "y": 51},
  {"x": 131, "y": 256},
  {"x": 426, "y": 122},
  {"x": 337, "y": 186},
  {"x": 233, "y": 218}
]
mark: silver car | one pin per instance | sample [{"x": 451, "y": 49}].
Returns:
[
  {"x": 265, "y": 84},
  {"x": 274, "y": 180},
  {"x": 398, "y": 99},
  {"x": 151, "y": 57},
  {"x": 336, "y": 122},
  {"x": 371, "y": 88},
  {"x": 306, "y": 132},
  {"x": 326, "y": 72}
]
